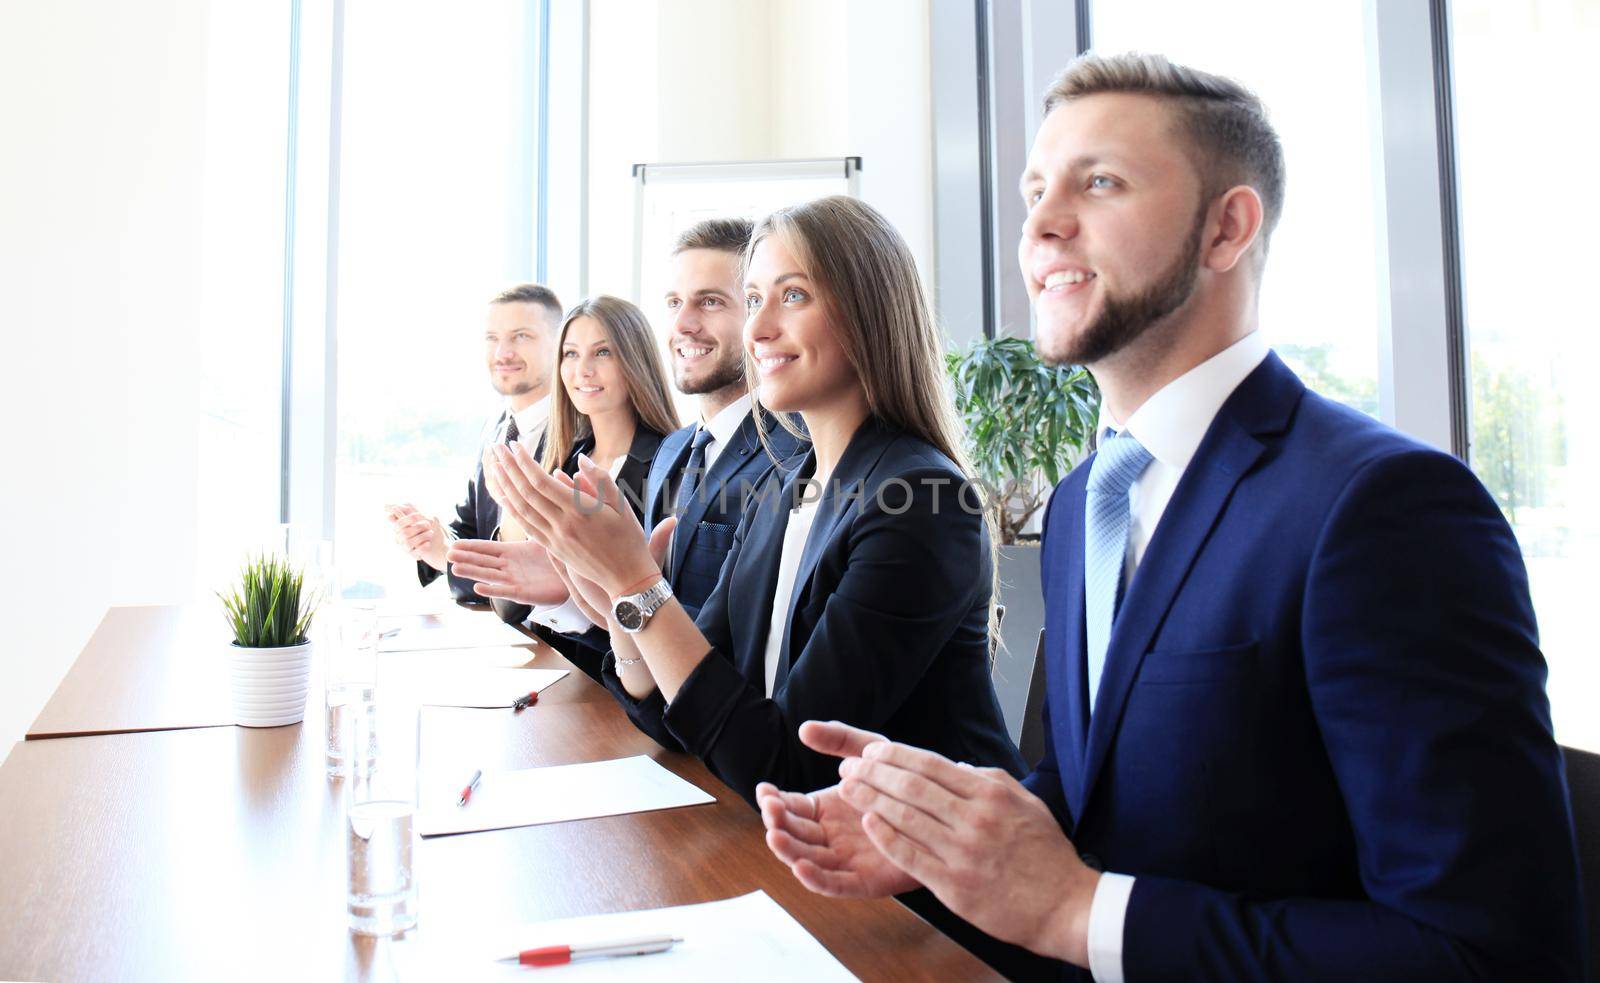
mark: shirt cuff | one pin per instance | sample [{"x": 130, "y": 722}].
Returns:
[
  {"x": 565, "y": 618},
  {"x": 1107, "y": 911}
]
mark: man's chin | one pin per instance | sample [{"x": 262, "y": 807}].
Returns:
[
  {"x": 509, "y": 389},
  {"x": 1055, "y": 344}
]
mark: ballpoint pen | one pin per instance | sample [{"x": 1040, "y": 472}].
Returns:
[
  {"x": 524, "y": 702},
  {"x": 556, "y": 955},
  {"x": 466, "y": 793}
]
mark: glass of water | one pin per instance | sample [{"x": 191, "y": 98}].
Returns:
[
  {"x": 351, "y": 689},
  {"x": 381, "y": 839}
]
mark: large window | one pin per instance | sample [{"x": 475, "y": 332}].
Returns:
[
  {"x": 1320, "y": 299},
  {"x": 436, "y": 193},
  {"x": 1529, "y": 205}
]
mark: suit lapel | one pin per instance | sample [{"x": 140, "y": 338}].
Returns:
[
  {"x": 852, "y": 473},
  {"x": 668, "y": 461},
  {"x": 1261, "y": 405},
  {"x": 752, "y": 593},
  {"x": 1064, "y": 638},
  {"x": 729, "y": 463}
]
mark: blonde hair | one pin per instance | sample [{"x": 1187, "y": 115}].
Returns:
[
  {"x": 1231, "y": 141},
  {"x": 868, "y": 280},
  {"x": 634, "y": 343}
]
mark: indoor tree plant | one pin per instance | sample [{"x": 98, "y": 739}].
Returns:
[
  {"x": 269, "y": 613},
  {"x": 1026, "y": 425}
]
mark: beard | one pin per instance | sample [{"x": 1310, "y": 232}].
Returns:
[
  {"x": 728, "y": 371},
  {"x": 520, "y": 387},
  {"x": 1125, "y": 319}
]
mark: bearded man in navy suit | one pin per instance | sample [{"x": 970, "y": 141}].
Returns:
[{"x": 1296, "y": 725}]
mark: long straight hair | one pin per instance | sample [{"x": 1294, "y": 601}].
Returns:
[
  {"x": 634, "y": 344},
  {"x": 878, "y": 311}
]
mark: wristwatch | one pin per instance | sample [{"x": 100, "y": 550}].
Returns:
[{"x": 633, "y": 611}]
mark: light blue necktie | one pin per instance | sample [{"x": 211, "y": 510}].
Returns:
[{"x": 1117, "y": 465}]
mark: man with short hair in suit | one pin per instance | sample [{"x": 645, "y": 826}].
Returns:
[
  {"x": 519, "y": 342},
  {"x": 1295, "y": 710},
  {"x": 710, "y": 466}
]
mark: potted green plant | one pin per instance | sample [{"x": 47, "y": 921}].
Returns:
[
  {"x": 1027, "y": 424},
  {"x": 269, "y": 613}
]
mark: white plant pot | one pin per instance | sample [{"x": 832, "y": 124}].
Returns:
[{"x": 270, "y": 685}]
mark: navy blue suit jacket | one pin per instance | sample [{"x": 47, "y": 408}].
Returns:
[
  {"x": 1321, "y": 742},
  {"x": 887, "y": 625},
  {"x": 706, "y": 527}
]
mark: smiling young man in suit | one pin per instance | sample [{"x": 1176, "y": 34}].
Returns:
[
  {"x": 1295, "y": 702},
  {"x": 519, "y": 344},
  {"x": 711, "y": 466}
]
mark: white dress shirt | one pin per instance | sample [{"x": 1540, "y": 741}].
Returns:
[
  {"x": 723, "y": 426},
  {"x": 794, "y": 545},
  {"x": 1170, "y": 425},
  {"x": 531, "y": 421}
]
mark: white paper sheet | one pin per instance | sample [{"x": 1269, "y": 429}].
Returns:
[
  {"x": 475, "y": 687},
  {"x": 745, "y": 938},
  {"x": 456, "y": 630},
  {"x": 425, "y": 661},
  {"x": 556, "y": 794}
]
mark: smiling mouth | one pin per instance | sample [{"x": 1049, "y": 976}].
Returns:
[
  {"x": 689, "y": 353},
  {"x": 508, "y": 368},
  {"x": 771, "y": 363},
  {"x": 588, "y": 390},
  {"x": 1065, "y": 280}
]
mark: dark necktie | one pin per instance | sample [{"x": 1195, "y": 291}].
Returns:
[
  {"x": 693, "y": 471},
  {"x": 511, "y": 430}
]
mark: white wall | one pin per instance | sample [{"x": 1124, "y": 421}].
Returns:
[
  {"x": 101, "y": 201},
  {"x": 701, "y": 80}
]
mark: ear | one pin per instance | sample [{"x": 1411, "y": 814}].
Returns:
[{"x": 1235, "y": 223}]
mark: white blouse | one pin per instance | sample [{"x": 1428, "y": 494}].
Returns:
[{"x": 794, "y": 544}]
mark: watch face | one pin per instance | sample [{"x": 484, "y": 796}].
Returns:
[{"x": 628, "y": 615}]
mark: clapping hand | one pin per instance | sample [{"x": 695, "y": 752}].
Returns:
[
  {"x": 421, "y": 536},
  {"x": 956, "y": 829}
]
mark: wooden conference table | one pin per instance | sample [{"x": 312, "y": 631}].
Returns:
[{"x": 151, "y": 840}]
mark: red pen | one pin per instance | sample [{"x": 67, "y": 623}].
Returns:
[
  {"x": 524, "y": 702},
  {"x": 466, "y": 793},
  {"x": 556, "y": 955}
]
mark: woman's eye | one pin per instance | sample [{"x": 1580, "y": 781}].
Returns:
[
  {"x": 1032, "y": 197},
  {"x": 793, "y": 295},
  {"x": 752, "y": 302},
  {"x": 1101, "y": 182},
  {"x": 602, "y": 351},
  {"x": 569, "y": 353}
]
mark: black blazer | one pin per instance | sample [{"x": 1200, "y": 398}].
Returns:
[
  {"x": 707, "y": 525},
  {"x": 887, "y": 627},
  {"x": 585, "y": 650},
  {"x": 634, "y": 477}
]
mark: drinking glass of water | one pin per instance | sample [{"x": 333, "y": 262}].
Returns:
[
  {"x": 350, "y": 683},
  {"x": 381, "y": 840}
]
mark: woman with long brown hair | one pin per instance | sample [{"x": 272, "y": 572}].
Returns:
[
  {"x": 859, "y": 587},
  {"x": 608, "y": 403}
]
